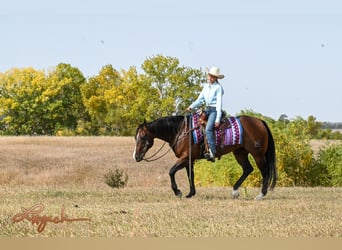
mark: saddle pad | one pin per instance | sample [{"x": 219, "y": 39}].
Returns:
[
  {"x": 196, "y": 133},
  {"x": 229, "y": 136}
]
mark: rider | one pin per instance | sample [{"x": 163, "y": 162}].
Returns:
[{"x": 211, "y": 95}]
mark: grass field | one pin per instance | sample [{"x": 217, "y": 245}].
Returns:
[{"x": 65, "y": 176}]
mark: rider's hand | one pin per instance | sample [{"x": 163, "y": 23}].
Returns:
[{"x": 217, "y": 124}]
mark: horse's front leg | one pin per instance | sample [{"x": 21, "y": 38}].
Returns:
[
  {"x": 179, "y": 165},
  {"x": 191, "y": 177}
]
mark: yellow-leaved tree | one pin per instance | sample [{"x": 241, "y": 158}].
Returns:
[
  {"x": 118, "y": 101},
  {"x": 21, "y": 100},
  {"x": 35, "y": 102}
]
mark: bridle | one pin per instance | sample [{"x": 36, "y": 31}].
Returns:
[{"x": 150, "y": 158}]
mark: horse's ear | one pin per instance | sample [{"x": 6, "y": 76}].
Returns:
[{"x": 144, "y": 123}]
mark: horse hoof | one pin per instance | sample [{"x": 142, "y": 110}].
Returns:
[
  {"x": 179, "y": 194},
  {"x": 235, "y": 194},
  {"x": 259, "y": 197},
  {"x": 189, "y": 196}
]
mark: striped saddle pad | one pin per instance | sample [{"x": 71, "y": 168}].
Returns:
[{"x": 230, "y": 135}]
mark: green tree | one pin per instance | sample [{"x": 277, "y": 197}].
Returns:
[
  {"x": 313, "y": 126},
  {"x": 118, "y": 101},
  {"x": 177, "y": 86},
  {"x": 95, "y": 99},
  {"x": 132, "y": 100},
  {"x": 64, "y": 100}
]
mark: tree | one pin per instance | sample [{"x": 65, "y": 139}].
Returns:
[
  {"x": 96, "y": 100},
  {"x": 177, "y": 86},
  {"x": 283, "y": 119},
  {"x": 112, "y": 102},
  {"x": 21, "y": 102},
  {"x": 34, "y": 103},
  {"x": 65, "y": 105},
  {"x": 133, "y": 99},
  {"x": 118, "y": 101},
  {"x": 313, "y": 126}
]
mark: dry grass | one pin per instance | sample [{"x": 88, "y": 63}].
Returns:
[
  {"x": 57, "y": 171},
  {"x": 148, "y": 212},
  {"x": 69, "y": 161}
]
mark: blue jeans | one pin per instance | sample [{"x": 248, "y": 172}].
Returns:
[{"x": 210, "y": 129}]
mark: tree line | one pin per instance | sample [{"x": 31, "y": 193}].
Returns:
[
  {"x": 332, "y": 125},
  {"x": 62, "y": 101}
]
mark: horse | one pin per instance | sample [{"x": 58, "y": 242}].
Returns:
[{"x": 257, "y": 140}]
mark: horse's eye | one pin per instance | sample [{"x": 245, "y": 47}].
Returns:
[{"x": 141, "y": 136}]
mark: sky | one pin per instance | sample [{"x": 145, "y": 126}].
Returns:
[{"x": 278, "y": 56}]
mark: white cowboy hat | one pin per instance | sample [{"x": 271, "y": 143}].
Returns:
[{"x": 214, "y": 71}]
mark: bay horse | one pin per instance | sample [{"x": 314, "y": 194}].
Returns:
[{"x": 257, "y": 141}]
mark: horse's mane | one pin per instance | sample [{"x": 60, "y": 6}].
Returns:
[
  {"x": 167, "y": 124},
  {"x": 165, "y": 128}
]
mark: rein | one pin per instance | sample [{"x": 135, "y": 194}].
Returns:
[
  {"x": 190, "y": 151},
  {"x": 149, "y": 159},
  {"x": 188, "y": 131}
]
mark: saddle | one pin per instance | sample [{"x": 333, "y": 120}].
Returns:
[
  {"x": 224, "y": 124},
  {"x": 203, "y": 119}
]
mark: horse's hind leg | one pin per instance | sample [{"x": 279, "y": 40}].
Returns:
[
  {"x": 241, "y": 156},
  {"x": 260, "y": 161}
]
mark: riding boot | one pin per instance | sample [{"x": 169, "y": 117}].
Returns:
[
  {"x": 208, "y": 153},
  {"x": 210, "y": 156}
]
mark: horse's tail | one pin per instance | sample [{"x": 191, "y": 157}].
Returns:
[{"x": 270, "y": 160}]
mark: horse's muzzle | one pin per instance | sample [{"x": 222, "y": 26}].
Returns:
[{"x": 137, "y": 157}]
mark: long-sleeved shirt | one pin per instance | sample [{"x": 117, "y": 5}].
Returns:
[{"x": 211, "y": 95}]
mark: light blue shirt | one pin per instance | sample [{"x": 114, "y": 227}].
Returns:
[{"x": 211, "y": 95}]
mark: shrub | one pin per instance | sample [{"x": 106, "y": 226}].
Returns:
[
  {"x": 116, "y": 178},
  {"x": 221, "y": 173},
  {"x": 330, "y": 158},
  {"x": 224, "y": 172},
  {"x": 295, "y": 157}
]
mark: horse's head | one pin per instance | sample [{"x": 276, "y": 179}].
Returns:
[{"x": 143, "y": 142}]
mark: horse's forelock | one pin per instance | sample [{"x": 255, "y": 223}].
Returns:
[
  {"x": 138, "y": 128},
  {"x": 143, "y": 125}
]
